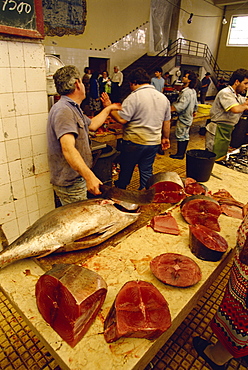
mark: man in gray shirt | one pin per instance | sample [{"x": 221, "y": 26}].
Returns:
[
  {"x": 227, "y": 108},
  {"x": 69, "y": 153},
  {"x": 185, "y": 106}
]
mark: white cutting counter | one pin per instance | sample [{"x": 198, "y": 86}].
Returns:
[{"x": 129, "y": 260}]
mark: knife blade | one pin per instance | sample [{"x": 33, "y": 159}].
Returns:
[{"x": 130, "y": 196}]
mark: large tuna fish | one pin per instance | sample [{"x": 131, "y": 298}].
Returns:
[{"x": 74, "y": 226}]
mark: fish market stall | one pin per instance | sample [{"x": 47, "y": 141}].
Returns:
[
  {"x": 119, "y": 263},
  {"x": 237, "y": 160}
]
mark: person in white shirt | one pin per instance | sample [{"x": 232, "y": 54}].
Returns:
[{"x": 117, "y": 79}]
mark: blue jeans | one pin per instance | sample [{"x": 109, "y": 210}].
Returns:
[
  {"x": 72, "y": 193},
  {"x": 132, "y": 154}
]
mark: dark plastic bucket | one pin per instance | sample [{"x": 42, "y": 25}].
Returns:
[
  {"x": 103, "y": 167},
  {"x": 199, "y": 164}
]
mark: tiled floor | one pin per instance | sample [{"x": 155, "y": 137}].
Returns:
[{"x": 22, "y": 350}]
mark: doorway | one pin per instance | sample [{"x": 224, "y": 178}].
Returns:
[{"x": 98, "y": 64}]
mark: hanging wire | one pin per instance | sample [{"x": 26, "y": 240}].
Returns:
[
  {"x": 206, "y": 16},
  {"x": 198, "y": 15}
]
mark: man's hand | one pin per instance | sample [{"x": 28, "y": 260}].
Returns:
[
  {"x": 93, "y": 184},
  {"x": 165, "y": 143},
  {"x": 105, "y": 99}
]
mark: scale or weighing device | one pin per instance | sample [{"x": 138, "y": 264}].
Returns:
[{"x": 53, "y": 63}]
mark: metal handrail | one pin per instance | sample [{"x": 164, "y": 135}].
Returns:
[{"x": 195, "y": 48}]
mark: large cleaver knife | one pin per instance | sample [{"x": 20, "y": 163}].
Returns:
[{"x": 129, "y": 196}]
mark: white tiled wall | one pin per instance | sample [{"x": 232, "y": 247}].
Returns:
[
  {"x": 121, "y": 53},
  {"x": 25, "y": 190}
]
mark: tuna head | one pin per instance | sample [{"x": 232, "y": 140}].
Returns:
[{"x": 74, "y": 226}]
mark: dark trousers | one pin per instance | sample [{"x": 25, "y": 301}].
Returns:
[
  {"x": 115, "y": 92},
  {"x": 132, "y": 154},
  {"x": 203, "y": 96}
]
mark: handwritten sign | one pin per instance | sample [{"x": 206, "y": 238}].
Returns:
[{"x": 22, "y": 18}]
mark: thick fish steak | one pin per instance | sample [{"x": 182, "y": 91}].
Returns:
[
  {"x": 206, "y": 244},
  {"x": 139, "y": 311},
  {"x": 176, "y": 270},
  {"x": 69, "y": 298}
]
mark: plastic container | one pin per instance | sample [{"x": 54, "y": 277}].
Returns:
[
  {"x": 204, "y": 108},
  {"x": 199, "y": 164}
]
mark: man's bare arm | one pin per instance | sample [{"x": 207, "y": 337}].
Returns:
[
  {"x": 99, "y": 120},
  {"x": 114, "y": 114},
  {"x": 76, "y": 162},
  {"x": 166, "y": 135},
  {"x": 240, "y": 108}
]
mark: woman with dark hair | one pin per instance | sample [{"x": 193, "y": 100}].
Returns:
[
  {"x": 230, "y": 323},
  {"x": 105, "y": 83},
  {"x": 95, "y": 102}
]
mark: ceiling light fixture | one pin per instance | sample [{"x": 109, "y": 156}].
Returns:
[
  {"x": 190, "y": 18},
  {"x": 224, "y": 21}
]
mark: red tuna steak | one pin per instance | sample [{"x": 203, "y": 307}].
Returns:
[
  {"x": 168, "y": 186},
  {"x": 165, "y": 224},
  {"x": 139, "y": 311},
  {"x": 176, "y": 270},
  {"x": 202, "y": 210},
  {"x": 232, "y": 211},
  {"x": 69, "y": 298},
  {"x": 224, "y": 197},
  {"x": 193, "y": 187},
  {"x": 206, "y": 244}
]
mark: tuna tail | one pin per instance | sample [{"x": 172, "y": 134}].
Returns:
[{"x": 3, "y": 240}]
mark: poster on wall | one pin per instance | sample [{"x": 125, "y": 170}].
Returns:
[{"x": 64, "y": 17}]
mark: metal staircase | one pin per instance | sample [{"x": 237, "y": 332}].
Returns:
[
  {"x": 149, "y": 63},
  {"x": 180, "y": 47}
]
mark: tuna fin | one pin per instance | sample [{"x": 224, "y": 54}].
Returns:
[
  {"x": 48, "y": 251},
  {"x": 3, "y": 240}
]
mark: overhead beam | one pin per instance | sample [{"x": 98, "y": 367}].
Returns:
[{"x": 228, "y": 2}]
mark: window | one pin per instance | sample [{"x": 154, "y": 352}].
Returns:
[{"x": 238, "y": 32}]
